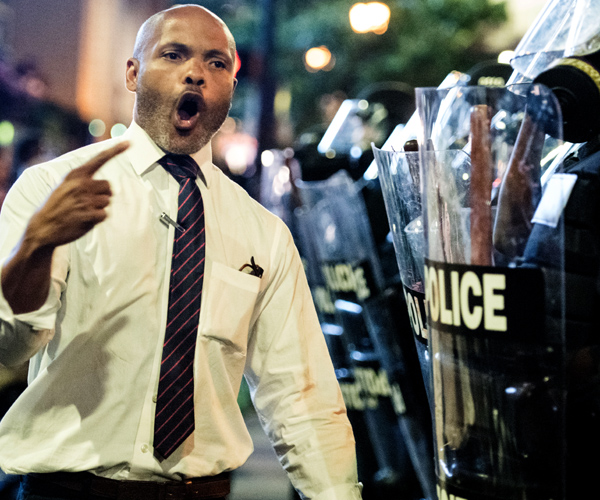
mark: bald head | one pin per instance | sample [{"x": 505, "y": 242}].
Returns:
[
  {"x": 150, "y": 31},
  {"x": 183, "y": 76}
]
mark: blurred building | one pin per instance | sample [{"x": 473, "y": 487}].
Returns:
[{"x": 80, "y": 47}]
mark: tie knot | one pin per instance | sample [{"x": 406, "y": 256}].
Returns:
[{"x": 180, "y": 166}]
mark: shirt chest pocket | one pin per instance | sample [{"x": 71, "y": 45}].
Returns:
[{"x": 227, "y": 306}]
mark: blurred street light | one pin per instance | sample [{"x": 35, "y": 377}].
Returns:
[
  {"x": 372, "y": 16},
  {"x": 318, "y": 58},
  {"x": 505, "y": 56}
]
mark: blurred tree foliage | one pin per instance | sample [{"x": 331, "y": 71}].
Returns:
[{"x": 426, "y": 39}]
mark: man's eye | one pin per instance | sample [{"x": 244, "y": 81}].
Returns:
[
  {"x": 220, "y": 64},
  {"x": 172, "y": 55}
]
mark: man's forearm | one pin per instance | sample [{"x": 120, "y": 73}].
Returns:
[
  {"x": 26, "y": 276},
  {"x": 26, "y": 281},
  {"x": 75, "y": 206}
]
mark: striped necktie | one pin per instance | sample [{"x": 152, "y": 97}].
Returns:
[{"x": 174, "y": 417}]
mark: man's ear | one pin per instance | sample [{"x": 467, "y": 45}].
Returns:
[
  {"x": 235, "y": 82},
  {"x": 131, "y": 74}
]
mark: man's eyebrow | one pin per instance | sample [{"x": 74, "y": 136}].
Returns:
[
  {"x": 217, "y": 53},
  {"x": 179, "y": 47}
]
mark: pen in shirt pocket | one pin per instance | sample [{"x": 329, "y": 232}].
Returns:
[{"x": 166, "y": 220}]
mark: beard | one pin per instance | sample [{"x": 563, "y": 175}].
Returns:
[{"x": 154, "y": 114}]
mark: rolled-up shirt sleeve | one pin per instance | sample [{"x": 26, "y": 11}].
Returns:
[
  {"x": 22, "y": 335},
  {"x": 293, "y": 384}
]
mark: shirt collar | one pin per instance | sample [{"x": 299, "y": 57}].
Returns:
[{"x": 143, "y": 153}]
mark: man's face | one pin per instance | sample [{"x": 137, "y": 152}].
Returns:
[{"x": 183, "y": 81}]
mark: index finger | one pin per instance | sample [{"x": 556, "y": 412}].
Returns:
[{"x": 89, "y": 168}]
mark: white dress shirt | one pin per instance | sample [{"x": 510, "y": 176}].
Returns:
[{"x": 89, "y": 405}]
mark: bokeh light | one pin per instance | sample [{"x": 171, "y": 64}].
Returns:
[
  {"x": 267, "y": 158},
  {"x": 97, "y": 127},
  {"x": 237, "y": 64},
  {"x": 7, "y": 133},
  {"x": 505, "y": 56},
  {"x": 236, "y": 158},
  {"x": 318, "y": 58},
  {"x": 118, "y": 130},
  {"x": 372, "y": 16}
]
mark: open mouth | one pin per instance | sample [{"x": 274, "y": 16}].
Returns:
[{"x": 188, "y": 110}]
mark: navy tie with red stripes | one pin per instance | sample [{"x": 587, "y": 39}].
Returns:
[{"x": 174, "y": 417}]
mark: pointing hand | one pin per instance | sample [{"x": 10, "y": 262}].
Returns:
[{"x": 76, "y": 205}]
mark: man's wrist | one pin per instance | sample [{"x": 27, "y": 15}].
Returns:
[{"x": 37, "y": 241}]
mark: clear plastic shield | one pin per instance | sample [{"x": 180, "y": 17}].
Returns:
[
  {"x": 564, "y": 28},
  {"x": 344, "y": 246},
  {"x": 322, "y": 297},
  {"x": 495, "y": 321},
  {"x": 368, "y": 464},
  {"x": 400, "y": 182},
  {"x": 352, "y": 272},
  {"x": 398, "y": 169},
  {"x": 399, "y": 173}
]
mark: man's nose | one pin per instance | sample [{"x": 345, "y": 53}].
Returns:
[{"x": 194, "y": 74}]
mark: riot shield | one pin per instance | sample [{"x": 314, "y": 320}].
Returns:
[
  {"x": 398, "y": 168},
  {"x": 355, "y": 401},
  {"x": 366, "y": 311},
  {"x": 495, "y": 320},
  {"x": 399, "y": 173}
]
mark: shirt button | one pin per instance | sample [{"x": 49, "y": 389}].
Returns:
[
  {"x": 154, "y": 398},
  {"x": 145, "y": 448}
]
